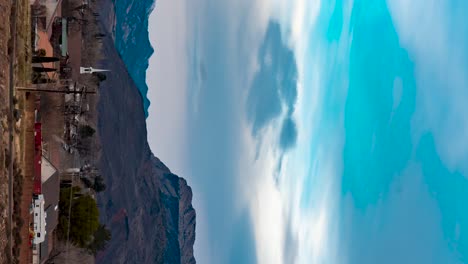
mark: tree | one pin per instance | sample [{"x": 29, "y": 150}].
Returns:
[
  {"x": 64, "y": 204},
  {"x": 100, "y": 239},
  {"x": 84, "y": 219},
  {"x": 99, "y": 184},
  {"x": 100, "y": 76},
  {"x": 87, "y": 183},
  {"x": 43, "y": 69},
  {"x": 39, "y": 59},
  {"x": 86, "y": 131},
  {"x": 41, "y": 52}
]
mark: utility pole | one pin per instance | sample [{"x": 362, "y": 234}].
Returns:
[{"x": 63, "y": 91}]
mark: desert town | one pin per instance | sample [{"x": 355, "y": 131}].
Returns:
[{"x": 49, "y": 86}]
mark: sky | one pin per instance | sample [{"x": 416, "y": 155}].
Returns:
[{"x": 315, "y": 131}]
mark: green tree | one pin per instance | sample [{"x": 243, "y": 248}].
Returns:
[
  {"x": 39, "y": 59},
  {"x": 41, "y": 52},
  {"x": 87, "y": 183},
  {"x": 100, "y": 76},
  {"x": 100, "y": 239},
  {"x": 84, "y": 219},
  {"x": 87, "y": 131},
  {"x": 64, "y": 204},
  {"x": 99, "y": 184}
]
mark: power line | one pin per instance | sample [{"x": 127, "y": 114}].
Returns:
[
  {"x": 75, "y": 165},
  {"x": 26, "y": 89}
]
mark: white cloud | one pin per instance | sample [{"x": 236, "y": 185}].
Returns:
[
  {"x": 174, "y": 27},
  {"x": 167, "y": 82},
  {"x": 273, "y": 206},
  {"x": 262, "y": 196}
]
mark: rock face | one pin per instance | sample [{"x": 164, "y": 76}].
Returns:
[{"x": 147, "y": 208}]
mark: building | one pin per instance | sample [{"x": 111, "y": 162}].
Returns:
[
  {"x": 45, "y": 201},
  {"x": 51, "y": 192},
  {"x": 49, "y": 10},
  {"x": 45, "y": 13}
]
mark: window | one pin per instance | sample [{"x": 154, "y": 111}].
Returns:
[
  {"x": 37, "y": 205},
  {"x": 36, "y": 214},
  {"x": 38, "y": 234}
]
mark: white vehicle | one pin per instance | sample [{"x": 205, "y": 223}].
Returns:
[{"x": 39, "y": 218}]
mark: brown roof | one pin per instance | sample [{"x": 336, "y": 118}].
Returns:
[{"x": 51, "y": 192}]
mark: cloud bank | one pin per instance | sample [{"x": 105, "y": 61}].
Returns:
[
  {"x": 225, "y": 86},
  {"x": 238, "y": 96}
]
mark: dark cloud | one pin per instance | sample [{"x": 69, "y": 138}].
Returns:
[
  {"x": 288, "y": 84},
  {"x": 263, "y": 103},
  {"x": 274, "y": 85},
  {"x": 288, "y": 134}
]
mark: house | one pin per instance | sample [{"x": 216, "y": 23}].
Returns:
[
  {"x": 51, "y": 192},
  {"x": 44, "y": 13},
  {"x": 49, "y": 10}
]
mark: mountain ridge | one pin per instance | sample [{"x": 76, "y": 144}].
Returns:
[
  {"x": 147, "y": 208},
  {"x": 131, "y": 38}
]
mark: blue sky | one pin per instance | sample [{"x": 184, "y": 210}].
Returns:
[{"x": 315, "y": 131}]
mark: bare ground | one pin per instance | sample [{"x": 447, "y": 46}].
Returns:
[
  {"x": 5, "y": 8},
  {"x": 21, "y": 77},
  {"x": 24, "y": 146}
]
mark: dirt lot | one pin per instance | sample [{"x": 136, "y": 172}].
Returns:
[
  {"x": 5, "y": 8},
  {"x": 28, "y": 174},
  {"x": 21, "y": 77}
]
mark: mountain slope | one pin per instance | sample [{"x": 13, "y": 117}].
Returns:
[
  {"x": 147, "y": 208},
  {"x": 131, "y": 37}
]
